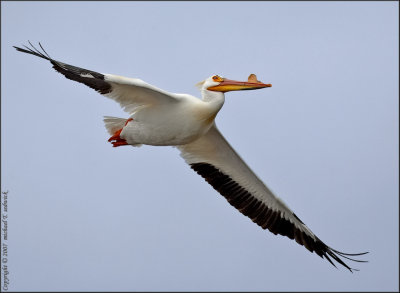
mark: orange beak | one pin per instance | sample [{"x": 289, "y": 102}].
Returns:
[{"x": 228, "y": 85}]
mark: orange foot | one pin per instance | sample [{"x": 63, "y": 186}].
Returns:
[
  {"x": 118, "y": 143},
  {"x": 116, "y": 140}
]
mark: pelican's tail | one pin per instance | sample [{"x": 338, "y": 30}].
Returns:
[{"x": 113, "y": 124}]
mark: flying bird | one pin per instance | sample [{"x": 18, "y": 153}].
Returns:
[{"x": 160, "y": 118}]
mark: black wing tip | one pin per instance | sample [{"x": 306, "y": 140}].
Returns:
[
  {"x": 95, "y": 80},
  {"x": 337, "y": 255},
  {"x": 350, "y": 254},
  {"x": 34, "y": 51}
]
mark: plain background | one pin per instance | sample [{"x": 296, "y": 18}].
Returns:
[{"x": 86, "y": 216}]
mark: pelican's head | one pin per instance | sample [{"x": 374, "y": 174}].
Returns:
[{"x": 217, "y": 83}]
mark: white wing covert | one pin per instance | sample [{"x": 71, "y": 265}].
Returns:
[{"x": 133, "y": 93}]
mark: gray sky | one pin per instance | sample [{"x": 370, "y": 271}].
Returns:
[{"x": 86, "y": 216}]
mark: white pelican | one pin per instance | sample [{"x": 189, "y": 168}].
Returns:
[{"x": 167, "y": 119}]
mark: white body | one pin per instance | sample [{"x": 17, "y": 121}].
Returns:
[{"x": 162, "y": 125}]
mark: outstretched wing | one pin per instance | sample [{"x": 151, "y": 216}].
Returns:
[
  {"x": 130, "y": 93},
  {"x": 216, "y": 161}
]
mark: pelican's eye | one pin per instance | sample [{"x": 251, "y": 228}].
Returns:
[{"x": 217, "y": 78}]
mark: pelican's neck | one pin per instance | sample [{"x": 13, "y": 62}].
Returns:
[
  {"x": 207, "y": 109},
  {"x": 215, "y": 100}
]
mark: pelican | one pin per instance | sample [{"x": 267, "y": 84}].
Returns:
[{"x": 160, "y": 118}]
